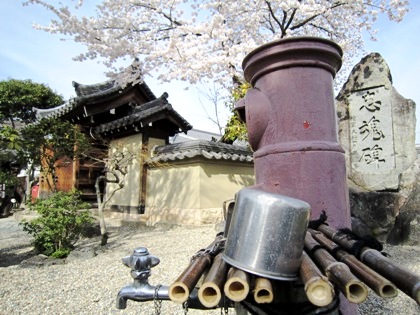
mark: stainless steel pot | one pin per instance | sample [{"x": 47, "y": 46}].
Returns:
[{"x": 266, "y": 234}]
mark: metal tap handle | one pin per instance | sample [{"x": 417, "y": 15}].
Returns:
[{"x": 140, "y": 263}]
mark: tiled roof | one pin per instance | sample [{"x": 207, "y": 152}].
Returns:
[
  {"x": 195, "y": 134},
  {"x": 55, "y": 112},
  {"x": 144, "y": 112},
  {"x": 93, "y": 89},
  {"x": 201, "y": 148},
  {"x": 90, "y": 93}
]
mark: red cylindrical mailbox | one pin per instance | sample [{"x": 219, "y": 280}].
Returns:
[{"x": 292, "y": 125}]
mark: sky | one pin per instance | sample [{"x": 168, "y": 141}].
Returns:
[{"x": 26, "y": 53}]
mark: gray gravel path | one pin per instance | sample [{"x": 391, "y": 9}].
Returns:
[{"x": 90, "y": 286}]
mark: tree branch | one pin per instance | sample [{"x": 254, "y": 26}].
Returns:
[
  {"x": 290, "y": 19},
  {"x": 273, "y": 15},
  {"x": 165, "y": 15},
  {"x": 304, "y": 22}
]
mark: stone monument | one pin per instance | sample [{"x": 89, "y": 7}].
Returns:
[{"x": 377, "y": 132}]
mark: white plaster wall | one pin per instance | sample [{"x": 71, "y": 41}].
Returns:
[
  {"x": 173, "y": 194},
  {"x": 130, "y": 194},
  {"x": 194, "y": 193},
  {"x": 220, "y": 182}
]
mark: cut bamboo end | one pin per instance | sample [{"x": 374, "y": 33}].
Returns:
[
  {"x": 356, "y": 292},
  {"x": 237, "y": 285},
  {"x": 319, "y": 292},
  {"x": 387, "y": 291},
  {"x": 263, "y": 291},
  {"x": 209, "y": 295},
  {"x": 318, "y": 289},
  {"x": 354, "y": 289},
  {"x": 178, "y": 292}
]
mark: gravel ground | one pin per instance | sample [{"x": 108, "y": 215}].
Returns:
[{"x": 90, "y": 286}]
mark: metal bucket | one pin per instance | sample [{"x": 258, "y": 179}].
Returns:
[{"x": 266, "y": 234}]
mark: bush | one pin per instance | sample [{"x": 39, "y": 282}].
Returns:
[{"x": 63, "y": 217}]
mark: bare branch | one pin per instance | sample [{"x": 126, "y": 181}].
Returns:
[
  {"x": 165, "y": 15},
  {"x": 290, "y": 19},
  {"x": 309, "y": 19},
  {"x": 213, "y": 95},
  {"x": 273, "y": 15}
]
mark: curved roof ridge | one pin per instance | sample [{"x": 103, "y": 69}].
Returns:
[
  {"x": 207, "y": 149},
  {"x": 87, "y": 89},
  {"x": 53, "y": 112},
  {"x": 90, "y": 93}
]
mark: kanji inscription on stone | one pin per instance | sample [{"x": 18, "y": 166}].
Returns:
[{"x": 371, "y": 132}]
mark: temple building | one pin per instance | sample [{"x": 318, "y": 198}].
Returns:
[{"x": 185, "y": 182}]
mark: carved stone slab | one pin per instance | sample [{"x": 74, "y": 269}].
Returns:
[
  {"x": 371, "y": 133},
  {"x": 376, "y": 127}
]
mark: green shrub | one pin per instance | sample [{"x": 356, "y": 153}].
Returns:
[{"x": 63, "y": 217}]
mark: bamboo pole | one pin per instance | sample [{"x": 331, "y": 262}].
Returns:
[
  {"x": 337, "y": 272},
  {"x": 263, "y": 291},
  {"x": 404, "y": 279},
  {"x": 210, "y": 292},
  {"x": 318, "y": 289},
  {"x": 380, "y": 285},
  {"x": 237, "y": 285},
  {"x": 179, "y": 291}
]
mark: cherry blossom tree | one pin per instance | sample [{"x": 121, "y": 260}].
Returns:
[{"x": 206, "y": 40}]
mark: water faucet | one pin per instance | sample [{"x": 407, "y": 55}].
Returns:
[{"x": 140, "y": 290}]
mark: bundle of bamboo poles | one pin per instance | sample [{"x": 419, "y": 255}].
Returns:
[
  {"x": 329, "y": 265},
  {"x": 387, "y": 274},
  {"x": 218, "y": 280}
]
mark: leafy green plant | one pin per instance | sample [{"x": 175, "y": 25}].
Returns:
[
  {"x": 235, "y": 128},
  {"x": 63, "y": 217},
  {"x": 19, "y": 97}
]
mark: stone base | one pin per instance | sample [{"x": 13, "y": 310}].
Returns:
[
  {"x": 184, "y": 216},
  {"x": 390, "y": 216}
]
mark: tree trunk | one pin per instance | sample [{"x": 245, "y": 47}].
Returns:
[{"x": 101, "y": 204}]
